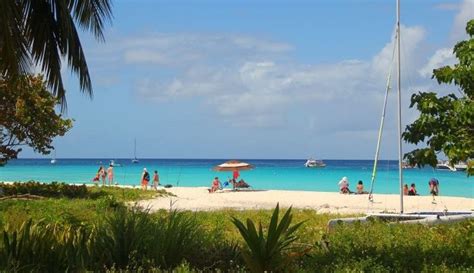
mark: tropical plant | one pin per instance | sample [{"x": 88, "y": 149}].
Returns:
[
  {"x": 122, "y": 239},
  {"x": 28, "y": 116},
  {"x": 174, "y": 238},
  {"x": 265, "y": 252},
  {"x": 43, "y": 32},
  {"x": 446, "y": 123}
]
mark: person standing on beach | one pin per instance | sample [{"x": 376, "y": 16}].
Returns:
[
  {"x": 235, "y": 175},
  {"x": 145, "y": 179},
  {"x": 102, "y": 174},
  {"x": 434, "y": 187},
  {"x": 156, "y": 180},
  {"x": 110, "y": 174}
]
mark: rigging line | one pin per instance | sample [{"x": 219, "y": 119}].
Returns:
[{"x": 382, "y": 121}]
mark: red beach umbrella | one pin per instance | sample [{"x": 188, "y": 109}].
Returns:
[{"x": 233, "y": 165}]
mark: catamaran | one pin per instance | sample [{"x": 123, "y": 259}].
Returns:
[{"x": 401, "y": 217}]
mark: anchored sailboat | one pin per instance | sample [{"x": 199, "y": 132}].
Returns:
[
  {"x": 415, "y": 217},
  {"x": 135, "y": 159}
]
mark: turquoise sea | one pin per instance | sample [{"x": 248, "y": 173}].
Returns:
[{"x": 268, "y": 174}]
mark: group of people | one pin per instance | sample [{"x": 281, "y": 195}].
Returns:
[
  {"x": 344, "y": 187},
  {"x": 145, "y": 179},
  {"x": 108, "y": 173},
  {"x": 216, "y": 183},
  {"x": 433, "y": 185},
  {"x": 102, "y": 173}
]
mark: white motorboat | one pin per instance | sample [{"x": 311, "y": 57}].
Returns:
[
  {"x": 461, "y": 166},
  {"x": 114, "y": 164},
  {"x": 312, "y": 163},
  {"x": 444, "y": 165}
]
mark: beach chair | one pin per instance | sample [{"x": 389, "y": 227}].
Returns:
[{"x": 241, "y": 185}]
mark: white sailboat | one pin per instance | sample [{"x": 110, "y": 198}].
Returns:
[
  {"x": 53, "y": 160},
  {"x": 135, "y": 159},
  {"x": 401, "y": 217}
]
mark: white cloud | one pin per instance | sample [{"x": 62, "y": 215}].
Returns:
[
  {"x": 441, "y": 57},
  {"x": 466, "y": 13}
]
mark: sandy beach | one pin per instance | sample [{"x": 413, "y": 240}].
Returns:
[{"x": 198, "y": 198}]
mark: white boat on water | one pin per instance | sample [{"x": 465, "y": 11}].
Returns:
[
  {"x": 114, "y": 164},
  {"x": 53, "y": 160},
  {"x": 312, "y": 163},
  {"x": 445, "y": 165}
]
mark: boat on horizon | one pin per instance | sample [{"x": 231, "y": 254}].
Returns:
[
  {"x": 313, "y": 163},
  {"x": 135, "y": 159},
  {"x": 53, "y": 160}
]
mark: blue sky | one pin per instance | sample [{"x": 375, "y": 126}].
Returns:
[{"x": 254, "y": 79}]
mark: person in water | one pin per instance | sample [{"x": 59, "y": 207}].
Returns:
[
  {"x": 360, "y": 187},
  {"x": 344, "y": 185},
  {"x": 145, "y": 179},
  {"x": 110, "y": 174},
  {"x": 412, "y": 190},
  {"x": 405, "y": 189},
  {"x": 156, "y": 180}
]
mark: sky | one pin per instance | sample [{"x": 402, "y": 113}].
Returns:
[{"x": 255, "y": 79}]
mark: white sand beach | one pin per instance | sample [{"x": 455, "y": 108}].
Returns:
[{"x": 198, "y": 198}]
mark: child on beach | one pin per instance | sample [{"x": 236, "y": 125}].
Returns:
[
  {"x": 145, "y": 179},
  {"x": 156, "y": 180},
  {"x": 412, "y": 190},
  {"x": 405, "y": 189}
]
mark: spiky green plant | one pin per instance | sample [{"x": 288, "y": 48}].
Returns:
[
  {"x": 266, "y": 252},
  {"x": 121, "y": 238},
  {"x": 174, "y": 237}
]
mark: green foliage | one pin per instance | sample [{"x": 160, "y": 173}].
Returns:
[
  {"x": 43, "y": 248},
  {"x": 41, "y": 33},
  {"x": 28, "y": 117},
  {"x": 446, "y": 123},
  {"x": 383, "y": 247},
  {"x": 266, "y": 252},
  {"x": 53, "y": 189}
]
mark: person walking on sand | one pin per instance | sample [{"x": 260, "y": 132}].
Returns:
[
  {"x": 110, "y": 174},
  {"x": 156, "y": 180},
  {"x": 102, "y": 174},
  {"x": 434, "y": 188},
  {"x": 145, "y": 179}
]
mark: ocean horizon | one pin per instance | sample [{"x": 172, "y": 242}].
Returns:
[{"x": 276, "y": 174}]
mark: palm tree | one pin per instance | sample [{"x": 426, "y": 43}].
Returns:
[{"x": 42, "y": 32}]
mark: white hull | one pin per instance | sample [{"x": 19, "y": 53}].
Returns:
[{"x": 428, "y": 218}]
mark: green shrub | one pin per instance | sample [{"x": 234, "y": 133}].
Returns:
[
  {"x": 265, "y": 252},
  {"x": 54, "y": 189}
]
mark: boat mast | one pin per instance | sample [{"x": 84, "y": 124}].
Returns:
[
  {"x": 135, "y": 148},
  {"x": 400, "y": 171}
]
